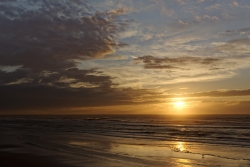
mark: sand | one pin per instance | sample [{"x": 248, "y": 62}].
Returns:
[
  {"x": 32, "y": 149},
  {"x": 39, "y": 147}
]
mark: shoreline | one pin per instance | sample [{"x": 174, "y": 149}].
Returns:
[{"x": 73, "y": 150}]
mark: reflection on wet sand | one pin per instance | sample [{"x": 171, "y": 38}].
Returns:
[
  {"x": 179, "y": 147},
  {"x": 89, "y": 151},
  {"x": 138, "y": 150},
  {"x": 184, "y": 161},
  {"x": 102, "y": 145},
  {"x": 178, "y": 151}
]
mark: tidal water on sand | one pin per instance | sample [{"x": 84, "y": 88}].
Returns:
[{"x": 128, "y": 140}]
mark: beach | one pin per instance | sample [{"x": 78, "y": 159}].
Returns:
[
  {"x": 81, "y": 142},
  {"x": 124, "y": 83}
]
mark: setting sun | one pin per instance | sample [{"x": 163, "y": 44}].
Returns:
[{"x": 179, "y": 104}]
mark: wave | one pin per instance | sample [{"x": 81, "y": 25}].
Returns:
[{"x": 206, "y": 129}]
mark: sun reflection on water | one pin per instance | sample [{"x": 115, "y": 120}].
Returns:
[
  {"x": 179, "y": 147},
  {"x": 184, "y": 161}
]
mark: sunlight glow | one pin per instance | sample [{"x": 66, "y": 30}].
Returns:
[
  {"x": 179, "y": 147},
  {"x": 179, "y": 104}
]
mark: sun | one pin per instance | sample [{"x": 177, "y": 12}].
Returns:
[{"x": 179, "y": 104}]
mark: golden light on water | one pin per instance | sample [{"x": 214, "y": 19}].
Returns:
[{"x": 180, "y": 146}]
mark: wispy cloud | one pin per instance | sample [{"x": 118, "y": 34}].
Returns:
[
  {"x": 226, "y": 93},
  {"x": 170, "y": 70},
  {"x": 235, "y": 3},
  {"x": 236, "y": 46},
  {"x": 198, "y": 20},
  {"x": 151, "y": 62},
  {"x": 214, "y": 7}
]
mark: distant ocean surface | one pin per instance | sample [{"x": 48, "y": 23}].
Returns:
[{"x": 215, "y": 129}]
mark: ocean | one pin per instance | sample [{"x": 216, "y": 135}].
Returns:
[{"x": 153, "y": 140}]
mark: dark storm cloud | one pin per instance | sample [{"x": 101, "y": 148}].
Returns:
[
  {"x": 74, "y": 75},
  {"x": 45, "y": 38},
  {"x": 53, "y": 35},
  {"x": 151, "y": 62},
  {"x": 27, "y": 98}
]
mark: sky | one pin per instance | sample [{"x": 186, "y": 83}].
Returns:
[{"x": 124, "y": 57}]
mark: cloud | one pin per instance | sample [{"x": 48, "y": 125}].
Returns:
[
  {"x": 227, "y": 93},
  {"x": 222, "y": 107},
  {"x": 183, "y": 23},
  {"x": 50, "y": 36},
  {"x": 242, "y": 6},
  {"x": 62, "y": 78},
  {"x": 25, "y": 98},
  {"x": 56, "y": 33},
  {"x": 45, "y": 40},
  {"x": 151, "y": 62},
  {"x": 181, "y": 2},
  {"x": 197, "y": 20},
  {"x": 242, "y": 31},
  {"x": 206, "y": 18},
  {"x": 214, "y": 7},
  {"x": 71, "y": 49},
  {"x": 164, "y": 8},
  {"x": 235, "y": 3},
  {"x": 172, "y": 70},
  {"x": 236, "y": 46},
  {"x": 116, "y": 12}
]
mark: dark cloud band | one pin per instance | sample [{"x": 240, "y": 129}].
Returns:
[{"x": 151, "y": 62}]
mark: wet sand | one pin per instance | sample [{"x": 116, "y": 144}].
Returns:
[
  {"x": 8, "y": 159},
  {"x": 28, "y": 149}
]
